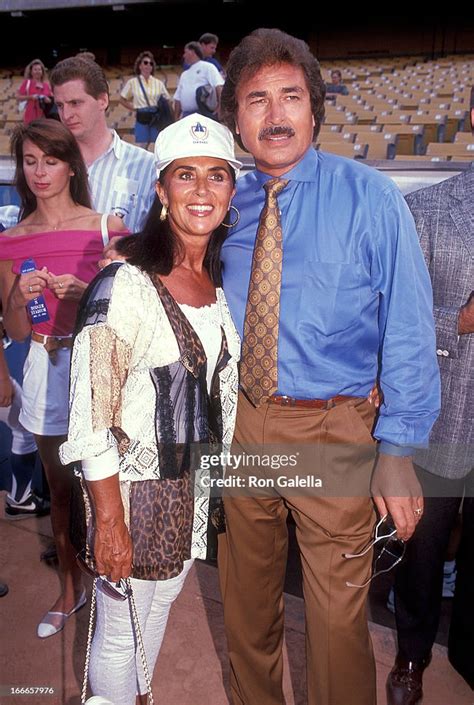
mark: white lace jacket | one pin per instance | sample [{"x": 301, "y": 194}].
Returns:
[{"x": 111, "y": 384}]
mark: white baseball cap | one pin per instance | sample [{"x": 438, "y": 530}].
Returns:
[{"x": 195, "y": 136}]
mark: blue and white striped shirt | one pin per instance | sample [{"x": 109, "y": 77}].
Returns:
[{"x": 122, "y": 182}]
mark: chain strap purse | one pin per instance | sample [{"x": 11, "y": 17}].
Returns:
[{"x": 98, "y": 700}]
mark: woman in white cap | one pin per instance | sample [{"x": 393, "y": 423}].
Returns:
[{"x": 154, "y": 376}]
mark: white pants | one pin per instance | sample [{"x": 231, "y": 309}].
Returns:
[
  {"x": 22, "y": 440},
  {"x": 115, "y": 670}
]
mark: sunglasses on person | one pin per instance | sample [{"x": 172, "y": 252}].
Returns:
[
  {"x": 116, "y": 591},
  {"x": 393, "y": 550},
  {"x": 147, "y": 61}
]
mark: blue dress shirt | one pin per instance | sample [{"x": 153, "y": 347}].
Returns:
[{"x": 356, "y": 299}]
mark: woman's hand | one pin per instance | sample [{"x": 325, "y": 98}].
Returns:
[
  {"x": 113, "y": 550},
  {"x": 66, "y": 286},
  {"x": 28, "y": 287},
  {"x": 112, "y": 545}
]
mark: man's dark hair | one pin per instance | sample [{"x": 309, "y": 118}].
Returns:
[
  {"x": 267, "y": 47},
  {"x": 55, "y": 140},
  {"x": 75, "y": 68},
  {"x": 208, "y": 38},
  {"x": 156, "y": 249},
  {"x": 196, "y": 47}
]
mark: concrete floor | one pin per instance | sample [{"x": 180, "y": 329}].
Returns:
[{"x": 192, "y": 668}]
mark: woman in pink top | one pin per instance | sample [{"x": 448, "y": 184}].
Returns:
[
  {"x": 64, "y": 238},
  {"x": 34, "y": 90}
]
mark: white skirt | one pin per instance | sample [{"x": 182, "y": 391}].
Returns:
[{"x": 45, "y": 398}]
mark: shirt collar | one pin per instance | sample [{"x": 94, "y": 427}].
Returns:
[
  {"x": 116, "y": 146},
  {"x": 305, "y": 170}
]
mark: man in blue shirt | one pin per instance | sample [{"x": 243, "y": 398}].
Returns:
[{"x": 354, "y": 306}]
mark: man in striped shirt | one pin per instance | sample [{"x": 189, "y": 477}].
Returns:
[{"x": 121, "y": 176}]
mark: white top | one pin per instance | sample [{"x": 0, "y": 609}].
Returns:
[
  {"x": 111, "y": 383},
  {"x": 207, "y": 323},
  {"x": 153, "y": 87},
  {"x": 199, "y": 74},
  {"x": 122, "y": 182}
]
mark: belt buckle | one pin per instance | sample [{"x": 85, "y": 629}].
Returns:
[{"x": 286, "y": 400}]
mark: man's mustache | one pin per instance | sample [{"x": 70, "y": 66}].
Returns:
[{"x": 277, "y": 130}]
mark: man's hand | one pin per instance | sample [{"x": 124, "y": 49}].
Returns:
[
  {"x": 466, "y": 317},
  {"x": 110, "y": 253},
  {"x": 396, "y": 491}
]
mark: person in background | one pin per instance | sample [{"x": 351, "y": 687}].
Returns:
[
  {"x": 35, "y": 91},
  {"x": 64, "y": 238},
  {"x": 141, "y": 94},
  {"x": 121, "y": 175},
  {"x": 209, "y": 44},
  {"x": 336, "y": 86},
  {"x": 328, "y": 288},
  {"x": 199, "y": 74},
  {"x": 165, "y": 324},
  {"x": 21, "y": 500},
  {"x": 88, "y": 55},
  {"x": 443, "y": 214}
]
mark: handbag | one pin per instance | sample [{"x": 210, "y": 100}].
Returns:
[
  {"x": 23, "y": 103},
  {"x": 146, "y": 116},
  {"x": 50, "y": 109},
  {"x": 97, "y": 699},
  {"x": 206, "y": 99}
]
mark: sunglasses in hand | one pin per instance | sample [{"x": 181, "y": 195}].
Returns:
[
  {"x": 391, "y": 553},
  {"x": 116, "y": 591}
]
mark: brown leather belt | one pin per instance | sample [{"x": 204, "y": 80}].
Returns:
[
  {"x": 60, "y": 342},
  {"x": 309, "y": 403},
  {"x": 51, "y": 343}
]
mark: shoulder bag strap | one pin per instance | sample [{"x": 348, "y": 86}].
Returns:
[
  {"x": 138, "y": 635},
  {"x": 104, "y": 229},
  {"x": 144, "y": 91}
]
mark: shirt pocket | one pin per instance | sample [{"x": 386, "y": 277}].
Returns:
[
  {"x": 124, "y": 197},
  {"x": 330, "y": 298}
]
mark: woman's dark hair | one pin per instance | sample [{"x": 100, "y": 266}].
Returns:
[
  {"x": 139, "y": 59},
  {"x": 267, "y": 47},
  {"x": 55, "y": 140},
  {"x": 156, "y": 249}
]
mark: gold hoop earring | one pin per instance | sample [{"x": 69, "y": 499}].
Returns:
[
  {"x": 164, "y": 212},
  {"x": 232, "y": 225}
]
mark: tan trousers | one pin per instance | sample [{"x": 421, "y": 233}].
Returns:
[{"x": 253, "y": 555}]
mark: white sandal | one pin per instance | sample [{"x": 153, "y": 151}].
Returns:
[{"x": 47, "y": 628}]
